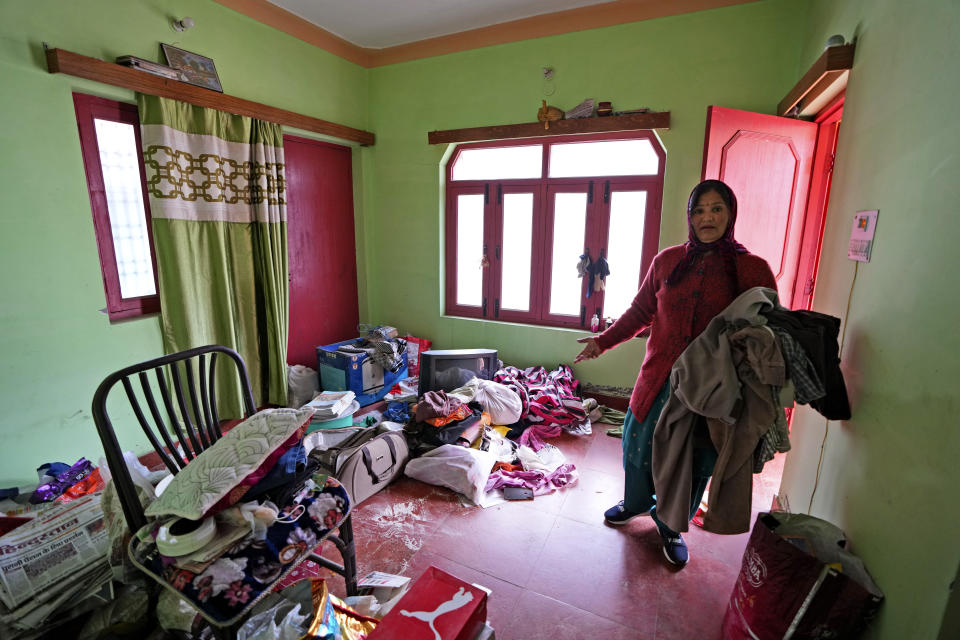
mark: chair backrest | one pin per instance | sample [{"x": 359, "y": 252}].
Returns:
[{"x": 187, "y": 383}]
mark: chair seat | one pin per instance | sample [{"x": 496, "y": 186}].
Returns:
[{"x": 248, "y": 570}]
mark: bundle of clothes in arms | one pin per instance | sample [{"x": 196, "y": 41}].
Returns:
[{"x": 733, "y": 382}]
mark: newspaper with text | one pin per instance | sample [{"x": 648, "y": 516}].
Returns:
[{"x": 61, "y": 542}]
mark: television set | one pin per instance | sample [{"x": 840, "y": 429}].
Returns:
[{"x": 448, "y": 369}]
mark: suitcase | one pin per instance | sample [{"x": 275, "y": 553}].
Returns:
[{"x": 365, "y": 463}]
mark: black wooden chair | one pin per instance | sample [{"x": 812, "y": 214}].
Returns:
[{"x": 187, "y": 417}]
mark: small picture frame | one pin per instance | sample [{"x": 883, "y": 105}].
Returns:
[{"x": 194, "y": 68}]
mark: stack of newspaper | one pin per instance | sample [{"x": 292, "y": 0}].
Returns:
[
  {"x": 331, "y": 404},
  {"x": 51, "y": 565}
]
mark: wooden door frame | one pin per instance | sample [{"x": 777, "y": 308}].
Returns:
[{"x": 818, "y": 198}]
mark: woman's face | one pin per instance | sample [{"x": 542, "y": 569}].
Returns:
[{"x": 710, "y": 217}]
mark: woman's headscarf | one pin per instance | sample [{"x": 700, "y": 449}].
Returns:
[{"x": 726, "y": 245}]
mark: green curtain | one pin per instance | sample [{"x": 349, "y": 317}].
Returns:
[{"x": 216, "y": 187}]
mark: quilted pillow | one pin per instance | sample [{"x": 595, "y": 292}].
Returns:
[{"x": 216, "y": 471}]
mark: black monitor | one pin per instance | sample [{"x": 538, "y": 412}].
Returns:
[{"x": 448, "y": 369}]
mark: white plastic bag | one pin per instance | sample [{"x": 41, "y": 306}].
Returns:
[
  {"x": 129, "y": 609},
  {"x": 501, "y": 402},
  {"x": 467, "y": 392},
  {"x": 302, "y": 385},
  {"x": 173, "y": 612},
  {"x": 459, "y": 468},
  {"x": 282, "y": 622},
  {"x": 547, "y": 459},
  {"x": 141, "y": 476}
]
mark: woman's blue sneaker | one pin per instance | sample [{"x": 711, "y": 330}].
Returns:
[
  {"x": 618, "y": 514},
  {"x": 674, "y": 548}
]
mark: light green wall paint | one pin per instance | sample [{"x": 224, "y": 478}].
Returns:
[
  {"x": 743, "y": 57},
  {"x": 56, "y": 344},
  {"x": 889, "y": 475}
]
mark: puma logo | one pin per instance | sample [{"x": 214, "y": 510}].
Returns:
[{"x": 459, "y": 599}]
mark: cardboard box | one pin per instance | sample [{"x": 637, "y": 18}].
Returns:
[
  {"x": 438, "y": 605},
  {"x": 356, "y": 372}
]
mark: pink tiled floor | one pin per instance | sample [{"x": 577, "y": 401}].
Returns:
[{"x": 555, "y": 570}]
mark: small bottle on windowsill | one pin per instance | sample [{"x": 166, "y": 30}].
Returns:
[{"x": 595, "y": 322}]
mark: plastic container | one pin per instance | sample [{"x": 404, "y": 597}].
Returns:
[{"x": 336, "y": 423}]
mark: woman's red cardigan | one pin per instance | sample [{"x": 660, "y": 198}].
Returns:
[{"x": 678, "y": 314}]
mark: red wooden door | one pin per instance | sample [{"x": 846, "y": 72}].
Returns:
[
  {"x": 766, "y": 160},
  {"x": 321, "y": 247}
]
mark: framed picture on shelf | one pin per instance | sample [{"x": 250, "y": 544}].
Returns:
[{"x": 194, "y": 68}]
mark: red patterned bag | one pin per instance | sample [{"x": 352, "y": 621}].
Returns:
[
  {"x": 799, "y": 581},
  {"x": 415, "y": 346}
]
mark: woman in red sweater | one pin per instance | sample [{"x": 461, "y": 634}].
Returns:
[{"x": 686, "y": 286}]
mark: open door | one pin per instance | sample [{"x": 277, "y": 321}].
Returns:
[{"x": 766, "y": 160}]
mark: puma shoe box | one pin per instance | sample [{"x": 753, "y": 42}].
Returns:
[{"x": 437, "y": 605}]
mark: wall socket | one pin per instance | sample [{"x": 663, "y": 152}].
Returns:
[{"x": 861, "y": 236}]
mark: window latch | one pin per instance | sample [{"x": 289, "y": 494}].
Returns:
[
  {"x": 606, "y": 192},
  {"x": 499, "y": 194},
  {"x": 590, "y": 193},
  {"x": 583, "y": 315},
  {"x": 498, "y": 252},
  {"x": 496, "y": 307},
  {"x": 484, "y": 307},
  {"x": 486, "y": 193}
]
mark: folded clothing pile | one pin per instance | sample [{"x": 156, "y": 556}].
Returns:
[
  {"x": 328, "y": 405},
  {"x": 382, "y": 345}
]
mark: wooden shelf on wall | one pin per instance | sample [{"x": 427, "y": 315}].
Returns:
[
  {"x": 823, "y": 81},
  {"x": 74, "y": 64},
  {"x": 631, "y": 122}
]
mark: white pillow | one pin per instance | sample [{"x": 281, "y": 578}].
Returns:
[
  {"x": 240, "y": 452},
  {"x": 459, "y": 468}
]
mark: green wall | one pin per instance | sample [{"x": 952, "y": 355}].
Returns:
[
  {"x": 56, "y": 343},
  {"x": 889, "y": 476},
  {"x": 744, "y": 57}
]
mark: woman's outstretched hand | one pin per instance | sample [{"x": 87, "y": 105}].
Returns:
[{"x": 590, "y": 351}]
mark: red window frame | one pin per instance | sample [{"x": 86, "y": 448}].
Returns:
[
  {"x": 89, "y": 108},
  {"x": 496, "y": 257},
  {"x": 598, "y": 189}
]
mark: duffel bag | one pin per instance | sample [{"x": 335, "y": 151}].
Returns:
[{"x": 365, "y": 467}]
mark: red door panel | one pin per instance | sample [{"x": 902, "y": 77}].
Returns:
[
  {"x": 321, "y": 247},
  {"x": 766, "y": 160}
]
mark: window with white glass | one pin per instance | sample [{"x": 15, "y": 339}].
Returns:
[
  {"x": 523, "y": 219},
  {"x": 110, "y": 143}
]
